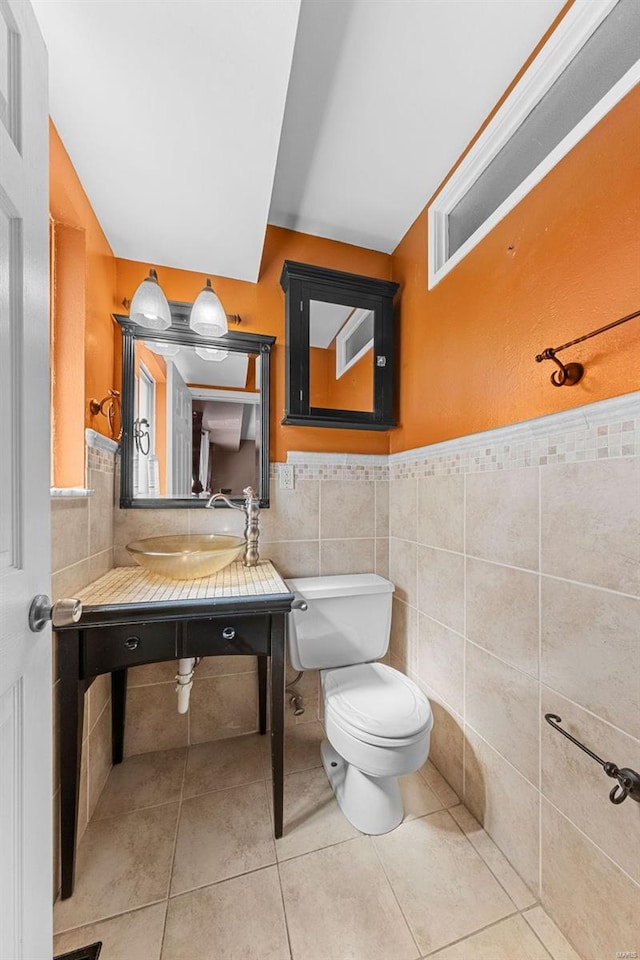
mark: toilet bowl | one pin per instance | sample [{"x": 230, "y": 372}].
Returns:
[{"x": 378, "y": 722}]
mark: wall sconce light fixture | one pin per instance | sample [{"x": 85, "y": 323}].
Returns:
[
  {"x": 207, "y": 314},
  {"x": 149, "y": 306}
]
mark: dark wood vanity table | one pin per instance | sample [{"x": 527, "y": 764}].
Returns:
[{"x": 131, "y": 618}]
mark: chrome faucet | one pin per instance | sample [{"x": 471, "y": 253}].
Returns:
[{"x": 251, "y": 508}]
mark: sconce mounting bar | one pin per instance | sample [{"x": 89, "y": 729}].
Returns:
[{"x": 571, "y": 373}]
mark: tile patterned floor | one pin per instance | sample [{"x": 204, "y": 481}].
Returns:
[{"x": 179, "y": 863}]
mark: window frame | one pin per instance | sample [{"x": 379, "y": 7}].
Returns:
[{"x": 581, "y": 21}]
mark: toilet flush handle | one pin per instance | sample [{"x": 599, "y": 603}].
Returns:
[{"x": 299, "y": 605}]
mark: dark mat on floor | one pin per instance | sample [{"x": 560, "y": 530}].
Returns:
[{"x": 92, "y": 952}]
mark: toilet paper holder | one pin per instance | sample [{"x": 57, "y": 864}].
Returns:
[{"x": 628, "y": 784}]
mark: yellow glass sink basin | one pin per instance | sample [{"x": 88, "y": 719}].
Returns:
[{"x": 186, "y": 556}]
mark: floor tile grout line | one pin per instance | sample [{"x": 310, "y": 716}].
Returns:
[
  {"x": 536, "y": 934},
  {"x": 394, "y": 894},
  {"x": 111, "y": 916},
  {"x": 486, "y": 862},
  {"x": 175, "y": 848},
  {"x": 468, "y": 936},
  {"x": 335, "y": 843},
  {"x": 546, "y": 946},
  {"x": 125, "y": 813},
  {"x": 284, "y": 908}
]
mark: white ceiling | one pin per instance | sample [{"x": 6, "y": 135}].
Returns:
[
  {"x": 230, "y": 372},
  {"x": 325, "y": 319},
  {"x": 384, "y": 97},
  {"x": 172, "y": 113}
]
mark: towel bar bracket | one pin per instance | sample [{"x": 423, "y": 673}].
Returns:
[{"x": 628, "y": 784}]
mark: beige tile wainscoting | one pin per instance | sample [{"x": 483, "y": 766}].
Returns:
[
  {"x": 335, "y": 520},
  {"x": 82, "y": 551},
  {"x": 516, "y": 559}
]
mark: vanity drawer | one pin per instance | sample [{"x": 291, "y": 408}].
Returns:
[
  {"x": 111, "y": 648},
  {"x": 227, "y": 636}
]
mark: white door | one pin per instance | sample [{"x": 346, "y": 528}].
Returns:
[
  {"x": 25, "y": 657},
  {"x": 179, "y": 433}
]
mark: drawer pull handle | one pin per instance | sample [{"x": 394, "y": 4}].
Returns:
[
  {"x": 132, "y": 643},
  {"x": 228, "y": 633}
]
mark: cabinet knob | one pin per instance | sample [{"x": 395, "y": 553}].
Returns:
[
  {"x": 228, "y": 633},
  {"x": 132, "y": 643}
]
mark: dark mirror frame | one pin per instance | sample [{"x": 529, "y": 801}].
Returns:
[
  {"x": 302, "y": 283},
  {"x": 180, "y": 332}
]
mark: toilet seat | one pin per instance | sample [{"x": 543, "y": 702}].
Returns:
[{"x": 376, "y": 704}]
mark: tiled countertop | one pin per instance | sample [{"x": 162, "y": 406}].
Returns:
[{"x": 133, "y": 585}]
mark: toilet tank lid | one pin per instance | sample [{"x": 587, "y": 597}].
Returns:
[{"x": 348, "y": 585}]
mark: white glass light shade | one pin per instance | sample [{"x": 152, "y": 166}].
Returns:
[
  {"x": 211, "y": 353},
  {"x": 207, "y": 314},
  {"x": 149, "y": 306},
  {"x": 163, "y": 349}
]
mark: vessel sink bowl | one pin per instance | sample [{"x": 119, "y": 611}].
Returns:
[{"x": 186, "y": 556}]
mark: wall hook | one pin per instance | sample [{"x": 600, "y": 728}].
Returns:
[
  {"x": 142, "y": 436},
  {"x": 568, "y": 374},
  {"x": 109, "y": 406},
  {"x": 628, "y": 784}
]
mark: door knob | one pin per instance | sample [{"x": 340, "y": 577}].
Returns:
[{"x": 63, "y": 613}]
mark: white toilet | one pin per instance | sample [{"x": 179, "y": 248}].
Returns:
[{"x": 377, "y": 720}]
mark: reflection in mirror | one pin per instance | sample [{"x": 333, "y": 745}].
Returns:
[
  {"x": 341, "y": 356},
  {"x": 196, "y": 421}
]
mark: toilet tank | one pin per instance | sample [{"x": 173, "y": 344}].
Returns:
[{"x": 347, "y": 620}]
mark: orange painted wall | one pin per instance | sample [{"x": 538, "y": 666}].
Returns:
[
  {"x": 70, "y": 207},
  {"x": 352, "y": 391},
  {"x": 261, "y": 306},
  {"x": 67, "y": 329},
  {"x": 565, "y": 261}
]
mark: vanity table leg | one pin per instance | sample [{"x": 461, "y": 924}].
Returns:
[
  {"x": 277, "y": 717},
  {"x": 262, "y": 694},
  {"x": 118, "y": 711},
  {"x": 71, "y": 706}
]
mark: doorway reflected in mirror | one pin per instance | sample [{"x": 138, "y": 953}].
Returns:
[{"x": 200, "y": 408}]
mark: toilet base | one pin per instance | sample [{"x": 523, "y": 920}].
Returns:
[{"x": 372, "y": 804}]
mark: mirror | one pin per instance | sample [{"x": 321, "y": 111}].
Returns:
[
  {"x": 195, "y": 415},
  {"x": 341, "y": 356},
  {"x": 339, "y": 343}
]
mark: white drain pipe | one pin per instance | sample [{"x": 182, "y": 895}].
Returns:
[{"x": 184, "y": 682}]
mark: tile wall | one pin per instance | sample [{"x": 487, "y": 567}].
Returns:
[
  {"x": 516, "y": 561},
  {"x": 517, "y": 572},
  {"x": 82, "y": 551},
  {"x": 335, "y": 520}
]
